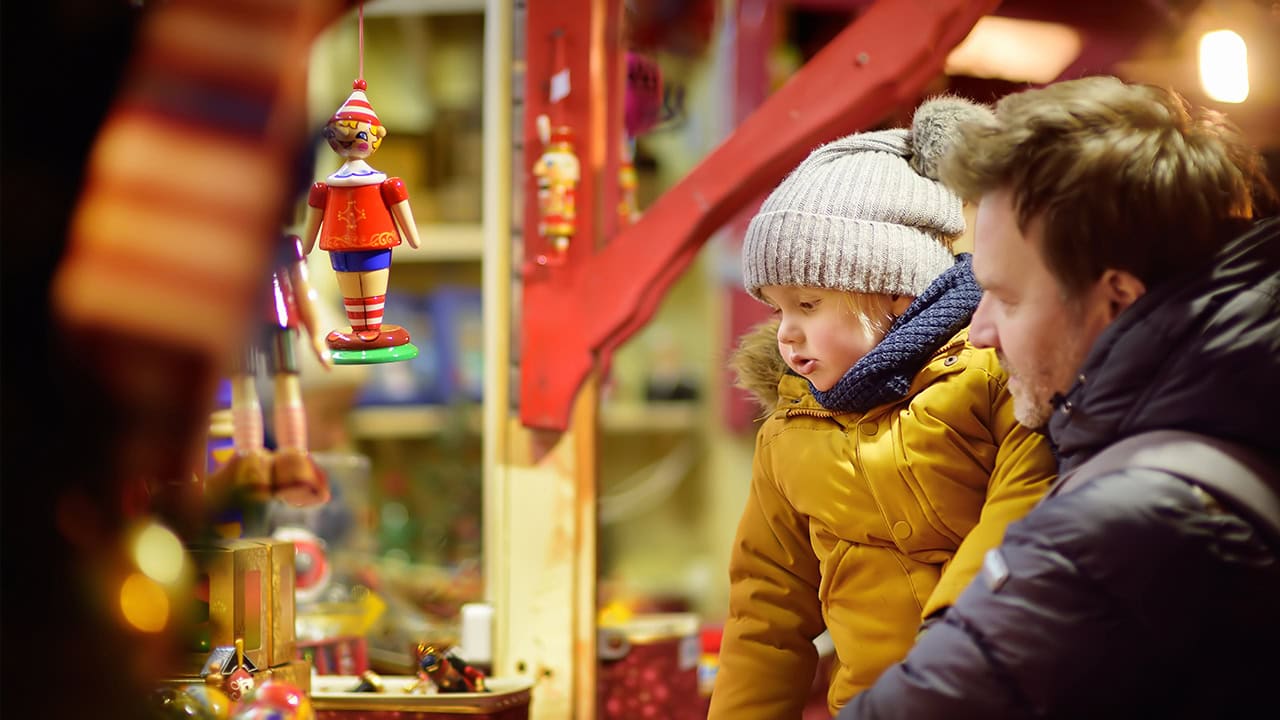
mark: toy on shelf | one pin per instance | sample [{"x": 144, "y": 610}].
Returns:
[
  {"x": 446, "y": 673},
  {"x": 370, "y": 682},
  {"x": 358, "y": 215},
  {"x": 230, "y": 670},
  {"x": 275, "y": 700},
  {"x": 189, "y": 702},
  {"x": 215, "y": 702},
  {"x": 253, "y": 473},
  {"x": 312, "y": 571}
]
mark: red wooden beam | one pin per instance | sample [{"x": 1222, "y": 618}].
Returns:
[{"x": 575, "y": 314}]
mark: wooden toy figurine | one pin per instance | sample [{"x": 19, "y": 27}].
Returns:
[
  {"x": 358, "y": 215},
  {"x": 446, "y": 671},
  {"x": 253, "y": 473},
  {"x": 275, "y": 700},
  {"x": 557, "y": 172}
]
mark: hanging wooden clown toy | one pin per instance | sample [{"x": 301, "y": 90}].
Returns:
[
  {"x": 253, "y": 474},
  {"x": 358, "y": 215},
  {"x": 557, "y": 173}
]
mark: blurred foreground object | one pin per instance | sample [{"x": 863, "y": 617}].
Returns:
[{"x": 146, "y": 227}]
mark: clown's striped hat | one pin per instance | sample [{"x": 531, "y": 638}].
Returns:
[{"x": 357, "y": 106}]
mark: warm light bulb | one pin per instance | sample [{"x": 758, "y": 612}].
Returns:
[
  {"x": 1224, "y": 66},
  {"x": 1016, "y": 50}
]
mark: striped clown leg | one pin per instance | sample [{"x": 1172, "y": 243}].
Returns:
[
  {"x": 365, "y": 313},
  {"x": 295, "y": 478},
  {"x": 362, "y": 278},
  {"x": 246, "y": 475}
]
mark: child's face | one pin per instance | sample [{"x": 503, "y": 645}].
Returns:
[{"x": 820, "y": 335}]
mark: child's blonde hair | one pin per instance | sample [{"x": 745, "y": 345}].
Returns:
[{"x": 874, "y": 310}]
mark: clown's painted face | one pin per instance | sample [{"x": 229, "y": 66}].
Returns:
[
  {"x": 240, "y": 686},
  {"x": 354, "y": 139}
]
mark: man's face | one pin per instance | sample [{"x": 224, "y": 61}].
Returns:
[{"x": 1040, "y": 335}]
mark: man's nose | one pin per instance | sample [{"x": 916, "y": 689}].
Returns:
[{"x": 982, "y": 330}]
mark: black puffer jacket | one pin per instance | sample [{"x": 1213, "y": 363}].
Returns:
[{"x": 1128, "y": 596}]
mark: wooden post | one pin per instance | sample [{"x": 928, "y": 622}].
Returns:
[{"x": 547, "y": 599}]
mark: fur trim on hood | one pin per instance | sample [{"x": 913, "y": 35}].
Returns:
[{"x": 758, "y": 364}]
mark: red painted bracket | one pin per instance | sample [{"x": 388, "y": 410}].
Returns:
[{"x": 575, "y": 314}]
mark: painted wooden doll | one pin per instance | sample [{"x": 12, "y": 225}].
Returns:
[{"x": 358, "y": 215}]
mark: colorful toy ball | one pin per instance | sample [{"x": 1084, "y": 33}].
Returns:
[
  {"x": 171, "y": 703},
  {"x": 275, "y": 700},
  {"x": 214, "y": 701},
  {"x": 261, "y": 712}
]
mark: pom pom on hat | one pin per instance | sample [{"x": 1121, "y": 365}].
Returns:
[
  {"x": 934, "y": 129},
  {"x": 357, "y": 106},
  {"x": 864, "y": 213}
]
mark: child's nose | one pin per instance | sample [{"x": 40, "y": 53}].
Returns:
[{"x": 789, "y": 332}]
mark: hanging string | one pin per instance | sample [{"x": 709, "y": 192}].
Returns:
[{"x": 360, "y": 33}]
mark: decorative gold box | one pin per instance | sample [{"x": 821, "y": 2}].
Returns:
[{"x": 244, "y": 590}]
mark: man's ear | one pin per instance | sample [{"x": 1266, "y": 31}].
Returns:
[{"x": 1121, "y": 289}]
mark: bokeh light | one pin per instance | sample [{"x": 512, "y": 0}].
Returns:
[
  {"x": 158, "y": 553},
  {"x": 144, "y": 603},
  {"x": 1224, "y": 66}
]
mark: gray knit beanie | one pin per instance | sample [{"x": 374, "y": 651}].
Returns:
[{"x": 864, "y": 213}]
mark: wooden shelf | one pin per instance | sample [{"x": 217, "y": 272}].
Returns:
[
  {"x": 638, "y": 417},
  {"x": 378, "y": 422},
  {"x": 443, "y": 242},
  {"x": 383, "y": 422},
  {"x": 400, "y": 8}
]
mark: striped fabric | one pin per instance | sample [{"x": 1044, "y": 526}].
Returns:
[
  {"x": 365, "y": 313},
  {"x": 187, "y": 186}
]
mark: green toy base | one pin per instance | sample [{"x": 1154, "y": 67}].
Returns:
[{"x": 407, "y": 351}]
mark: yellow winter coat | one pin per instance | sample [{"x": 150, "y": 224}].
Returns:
[{"x": 865, "y": 523}]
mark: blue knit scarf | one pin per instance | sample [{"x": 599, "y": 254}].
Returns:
[{"x": 885, "y": 374}]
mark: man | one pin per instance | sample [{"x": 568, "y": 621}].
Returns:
[{"x": 1128, "y": 287}]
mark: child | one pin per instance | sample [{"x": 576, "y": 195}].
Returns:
[{"x": 890, "y": 460}]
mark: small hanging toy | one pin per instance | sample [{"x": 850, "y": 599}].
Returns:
[
  {"x": 253, "y": 474},
  {"x": 557, "y": 172},
  {"x": 628, "y": 184},
  {"x": 358, "y": 215},
  {"x": 642, "y": 110}
]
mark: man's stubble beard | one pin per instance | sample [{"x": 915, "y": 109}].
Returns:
[{"x": 1031, "y": 401}]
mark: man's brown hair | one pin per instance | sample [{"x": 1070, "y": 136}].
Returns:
[{"x": 1123, "y": 176}]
